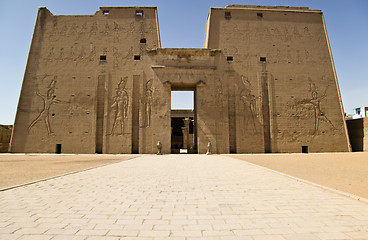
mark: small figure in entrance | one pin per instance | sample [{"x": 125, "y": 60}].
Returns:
[
  {"x": 159, "y": 147},
  {"x": 209, "y": 148}
]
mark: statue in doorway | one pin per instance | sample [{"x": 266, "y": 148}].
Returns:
[
  {"x": 209, "y": 145},
  {"x": 159, "y": 148}
]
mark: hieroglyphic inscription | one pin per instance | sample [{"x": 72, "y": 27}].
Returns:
[
  {"x": 87, "y": 29},
  {"x": 220, "y": 94}
]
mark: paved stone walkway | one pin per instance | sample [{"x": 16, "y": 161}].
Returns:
[{"x": 179, "y": 197}]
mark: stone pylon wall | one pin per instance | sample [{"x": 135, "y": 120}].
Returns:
[
  {"x": 283, "y": 79},
  {"x": 84, "y": 76},
  {"x": 265, "y": 82}
]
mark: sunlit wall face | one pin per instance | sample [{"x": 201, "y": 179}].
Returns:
[{"x": 183, "y": 100}]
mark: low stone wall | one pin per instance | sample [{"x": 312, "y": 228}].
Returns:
[{"x": 5, "y": 135}]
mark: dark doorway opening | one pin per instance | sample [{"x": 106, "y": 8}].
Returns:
[
  {"x": 304, "y": 149},
  {"x": 183, "y": 120},
  {"x": 58, "y": 148},
  {"x": 182, "y": 135}
]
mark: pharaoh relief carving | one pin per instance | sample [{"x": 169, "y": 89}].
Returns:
[
  {"x": 93, "y": 29},
  {"x": 296, "y": 32},
  {"x": 120, "y": 108},
  {"x": 127, "y": 56},
  {"x": 48, "y": 100},
  {"x": 306, "y": 31},
  {"x": 63, "y": 30},
  {"x": 61, "y": 54},
  {"x": 131, "y": 27},
  {"x": 83, "y": 30},
  {"x": 147, "y": 103},
  {"x": 92, "y": 53},
  {"x": 73, "y": 30},
  {"x": 249, "y": 101},
  {"x": 106, "y": 30},
  {"x": 312, "y": 107},
  {"x": 82, "y": 53},
  {"x": 287, "y": 35},
  {"x": 50, "y": 55},
  {"x": 72, "y": 53},
  {"x": 116, "y": 55},
  {"x": 315, "y": 101},
  {"x": 116, "y": 30},
  {"x": 54, "y": 31}
]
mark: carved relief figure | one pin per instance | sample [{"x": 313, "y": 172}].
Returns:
[
  {"x": 116, "y": 55},
  {"x": 50, "y": 56},
  {"x": 93, "y": 29},
  {"x": 116, "y": 32},
  {"x": 48, "y": 100},
  {"x": 106, "y": 31},
  {"x": 306, "y": 31},
  {"x": 82, "y": 54},
  {"x": 249, "y": 101},
  {"x": 82, "y": 31},
  {"x": 120, "y": 106},
  {"x": 315, "y": 103},
  {"x": 148, "y": 103},
  {"x": 63, "y": 30},
  {"x": 92, "y": 53},
  {"x": 296, "y": 32},
  {"x": 72, "y": 55},
  {"x": 61, "y": 54},
  {"x": 127, "y": 56},
  {"x": 54, "y": 32},
  {"x": 73, "y": 30}
]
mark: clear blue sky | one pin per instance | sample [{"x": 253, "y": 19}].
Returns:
[{"x": 182, "y": 24}]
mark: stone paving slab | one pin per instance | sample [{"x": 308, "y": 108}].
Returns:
[{"x": 179, "y": 197}]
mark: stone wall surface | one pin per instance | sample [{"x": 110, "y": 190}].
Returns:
[
  {"x": 265, "y": 82},
  {"x": 78, "y": 86},
  {"x": 283, "y": 78},
  {"x": 5, "y": 136}
]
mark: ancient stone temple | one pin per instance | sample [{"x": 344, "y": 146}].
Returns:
[{"x": 264, "y": 82}]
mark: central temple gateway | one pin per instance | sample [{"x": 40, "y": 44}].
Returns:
[{"x": 264, "y": 82}]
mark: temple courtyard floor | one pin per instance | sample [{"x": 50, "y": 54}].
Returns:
[{"x": 184, "y": 196}]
